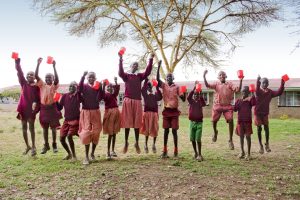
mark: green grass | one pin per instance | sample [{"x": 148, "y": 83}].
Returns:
[{"x": 275, "y": 175}]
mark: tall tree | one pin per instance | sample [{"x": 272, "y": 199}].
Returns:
[{"x": 188, "y": 31}]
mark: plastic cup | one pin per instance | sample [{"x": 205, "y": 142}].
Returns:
[
  {"x": 106, "y": 81},
  {"x": 154, "y": 83},
  {"x": 122, "y": 51},
  {"x": 96, "y": 85},
  {"x": 285, "y": 78},
  {"x": 14, "y": 55},
  {"x": 252, "y": 88},
  {"x": 183, "y": 89},
  {"x": 49, "y": 60},
  {"x": 240, "y": 74},
  {"x": 56, "y": 96},
  {"x": 198, "y": 87}
]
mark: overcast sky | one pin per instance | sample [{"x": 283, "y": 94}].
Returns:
[{"x": 266, "y": 51}]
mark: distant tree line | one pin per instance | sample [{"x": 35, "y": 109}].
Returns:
[{"x": 10, "y": 93}]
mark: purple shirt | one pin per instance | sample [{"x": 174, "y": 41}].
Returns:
[
  {"x": 150, "y": 100},
  {"x": 110, "y": 100},
  {"x": 244, "y": 109},
  {"x": 195, "y": 107},
  {"x": 29, "y": 95},
  {"x": 133, "y": 81},
  {"x": 90, "y": 97},
  {"x": 71, "y": 104},
  {"x": 264, "y": 97}
]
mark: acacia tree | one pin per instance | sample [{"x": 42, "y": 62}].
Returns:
[{"x": 188, "y": 31}]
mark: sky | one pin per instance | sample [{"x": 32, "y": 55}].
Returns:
[{"x": 266, "y": 51}]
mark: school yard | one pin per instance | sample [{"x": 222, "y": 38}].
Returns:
[{"x": 222, "y": 175}]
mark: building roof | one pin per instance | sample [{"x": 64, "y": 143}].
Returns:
[{"x": 291, "y": 85}]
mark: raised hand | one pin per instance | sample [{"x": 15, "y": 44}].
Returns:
[
  {"x": 205, "y": 72},
  {"x": 54, "y": 63},
  {"x": 85, "y": 73},
  {"x": 152, "y": 55},
  {"x": 258, "y": 77},
  {"x": 39, "y": 61},
  {"x": 116, "y": 80},
  {"x": 120, "y": 55},
  {"x": 18, "y": 61}
]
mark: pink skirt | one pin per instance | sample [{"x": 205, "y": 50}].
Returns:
[
  {"x": 111, "y": 121},
  {"x": 132, "y": 113},
  {"x": 90, "y": 126},
  {"x": 150, "y": 124}
]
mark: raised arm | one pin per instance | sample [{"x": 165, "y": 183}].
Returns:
[
  {"x": 36, "y": 74},
  {"x": 279, "y": 91},
  {"x": 149, "y": 68},
  {"x": 80, "y": 86},
  {"x": 240, "y": 85},
  {"x": 158, "y": 94},
  {"x": 20, "y": 73},
  {"x": 144, "y": 88},
  {"x": 204, "y": 78},
  {"x": 158, "y": 75},
  {"x": 190, "y": 96},
  {"x": 56, "y": 80},
  {"x": 122, "y": 74},
  {"x": 257, "y": 89}
]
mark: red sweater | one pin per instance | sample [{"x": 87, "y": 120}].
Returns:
[
  {"x": 150, "y": 100},
  {"x": 195, "y": 107},
  {"x": 133, "y": 81},
  {"x": 244, "y": 109},
  {"x": 110, "y": 100}
]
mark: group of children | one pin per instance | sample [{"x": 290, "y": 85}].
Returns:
[{"x": 82, "y": 116}]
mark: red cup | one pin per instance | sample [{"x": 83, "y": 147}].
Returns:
[
  {"x": 240, "y": 74},
  {"x": 56, "y": 97},
  {"x": 198, "y": 87},
  {"x": 183, "y": 89},
  {"x": 154, "y": 82},
  {"x": 14, "y": 55},
  {"x": 96, "y": 85},
  {"x": 285, "y": 78},
  {"x": 106, "y": 81},
  {"x": 252, "y": 88},
  {"x": 49, "y": 60},
  {"x": 122, "y": 51}
]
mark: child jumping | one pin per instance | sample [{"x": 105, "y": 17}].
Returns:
[
  {"x": 244, "y": 124},
  {"x": 196, "y": 102},
  {"x": 90, "y": 124},
  {"x": 112, "y": 117},
  {"x": 28, "y": 106},
  {"x": 170, "y": 112},
  {"x": 223, "y": 96},
  {"x": 49, "y": 114},
  {"x": 132, "y": 111},
  {"x": 71, "y": 103},
  {"x": 264, "y": 96},
  {"x": 150, "y": 116}
]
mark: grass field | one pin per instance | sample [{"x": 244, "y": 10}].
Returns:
[{"x": 222, "y": 175}]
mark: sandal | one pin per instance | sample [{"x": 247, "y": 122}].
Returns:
[
  {"x": 68, "y": 157},
  {"x": 241, "y": 155},
  {"x": 231, "y": 145},
  {"x": 125, "y": 149},
  {"x": 33, "y": 152},
  {"x": 261, "y": 150},
  {"x": 248, "y": 157},
  {"x": 113, "y": 154},
  {"x": 86, "y": 161},
  {"x": 153, "y": 149},
  {"x": 215, "y": 137},
  {"x": 267, "y": 147},
  {"x": 137, "y": 148},
  {"x": 164, "y": 155},
  {"x": 146, "y": 149}
]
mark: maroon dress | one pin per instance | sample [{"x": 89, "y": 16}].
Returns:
[{"x": 30, "y": 93}]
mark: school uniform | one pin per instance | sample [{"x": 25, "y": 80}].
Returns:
[
  {"x": 112, "y": 116},
  {"x": 132, "y": 110}
]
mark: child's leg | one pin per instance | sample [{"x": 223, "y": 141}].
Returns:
[
  {"x": 125, "y": 149},
  {"x": 199, "y": 148},
  {"x": 146, "y": 144},
  {"x": 242, "y": 155},
  {"x": 72, "y": 146},
  {"x": 46, "y": 145},
  {"x": 215, "y": 136},
  {"x": 259, "y": 129},
  {"x": 195, "y": 149},
  {"x": 267, "y": 133},
  {"x": 175, "y": 137},
  {"x": 25, "y": 136},
  {"x": 66, "y": 147},
  {"x": 113, "y": 142},
  {"x": 137, "y": 135},
  {"x": 108, "y": 145},
  {"x": 93, "y": 151},
  {"x": 153, "y": 145},
  {"x": 231, "y": 124},
  {"x": 54, "y": 145},
  {"x": 165, "y": 149},
  {"x": 248, "y": 138},
  {"x": 32, "y": 132},
  {"x": 87, "y": 149}
]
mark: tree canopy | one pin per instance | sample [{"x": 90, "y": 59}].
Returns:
[{"x": 189, "y": 31}]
